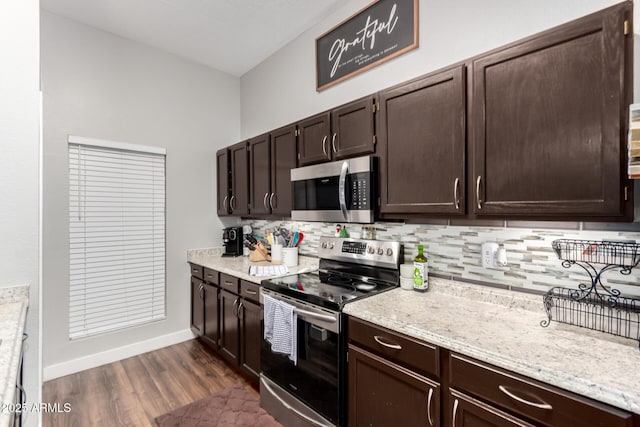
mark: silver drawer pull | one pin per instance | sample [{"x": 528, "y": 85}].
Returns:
[
  {"x": 228, "y": 283},
  {"x": 393, "y": 346},
  {"x": 429, "y": 407},
  {"x": 250, "y": 292},
  {"x": 455, "y": 412},
  {"x": 526, "y": 402}
]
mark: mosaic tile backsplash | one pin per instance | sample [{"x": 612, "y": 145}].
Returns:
[{"x": 454, "y": 252}]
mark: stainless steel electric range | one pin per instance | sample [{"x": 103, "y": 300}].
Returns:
[{"x": 312, "y": 392}]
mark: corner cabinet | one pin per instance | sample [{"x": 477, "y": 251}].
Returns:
[
  {"x": 548, "y": 122},
  {"x": 222, "y": 178},
  {"x": 346, "y": 131},
  {"x": 421, "y": 132}
]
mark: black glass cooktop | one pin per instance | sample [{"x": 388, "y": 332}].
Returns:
[{"x": 327, "y": 289}]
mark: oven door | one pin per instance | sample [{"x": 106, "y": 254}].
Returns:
[
  {"x": 340, "y": 191},
  {"x": 316, "y": 379}
]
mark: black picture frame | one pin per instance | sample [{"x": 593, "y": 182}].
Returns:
[{"x": 381, "y": 31}]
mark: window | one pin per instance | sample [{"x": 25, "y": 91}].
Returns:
[{"x": 116, "y": 235}]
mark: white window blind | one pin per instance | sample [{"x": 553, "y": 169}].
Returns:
[{"x": 117, "y": 235}]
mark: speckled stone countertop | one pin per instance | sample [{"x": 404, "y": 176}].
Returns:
[
  {"x": 13, "y": 313},
  {"x": 503, "y": 328},
  {"x": 239, "y": 266}
]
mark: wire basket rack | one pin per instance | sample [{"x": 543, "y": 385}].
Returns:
[{"x": 595, "y": 306}]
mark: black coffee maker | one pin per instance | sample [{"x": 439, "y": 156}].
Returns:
[{"x": 232, "y": 241}]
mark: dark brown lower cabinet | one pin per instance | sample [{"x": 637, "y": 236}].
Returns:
[
  {"x": 470, "y": 412},
  {"x": 250, "y": 337},
  {"x": 211, "y": 333},
  {"x": 382, "y": 393},
  {"x": 229, "y": 332}
]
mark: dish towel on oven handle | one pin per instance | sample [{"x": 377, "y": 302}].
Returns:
[{"x": 281, "y": 327}]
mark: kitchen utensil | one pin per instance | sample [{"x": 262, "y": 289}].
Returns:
[{"x": 300, "y": 237}]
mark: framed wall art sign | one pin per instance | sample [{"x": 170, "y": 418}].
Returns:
[{"x": 379, "y": 32}]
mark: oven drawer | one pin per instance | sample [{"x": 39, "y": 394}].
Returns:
[
  {"x": 404, "y": 350},
  {"x": 250, "y": 291},
  {"x": 229, "y": 283},
  {"x": 197, "y": 271},
  {"x": 540, "y": 402},
  {"x": 211, "y": 276}
]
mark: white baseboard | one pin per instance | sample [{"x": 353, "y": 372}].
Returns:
[{"x": 98, "y": 359}]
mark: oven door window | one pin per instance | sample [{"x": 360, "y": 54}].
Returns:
[{"x": 314, "y": 380}]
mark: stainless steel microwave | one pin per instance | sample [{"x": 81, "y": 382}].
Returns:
[{"x": 342, "y": 191}]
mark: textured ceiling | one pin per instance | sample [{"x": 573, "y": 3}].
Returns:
[{"x": 230, "y": 35}]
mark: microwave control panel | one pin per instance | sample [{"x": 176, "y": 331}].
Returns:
[{"x": 360, "y": 192}]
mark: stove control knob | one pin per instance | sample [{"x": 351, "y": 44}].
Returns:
[
  {"x": 330, "y": 245},
  {"x": 389, "y": 251},
  {"x": 371, "y": 249},
  {"x": 324, "y": 245},
  {"x": 380, "y": 251}
]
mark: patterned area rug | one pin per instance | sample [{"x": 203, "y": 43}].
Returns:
[{"x": 230, "y": 407}]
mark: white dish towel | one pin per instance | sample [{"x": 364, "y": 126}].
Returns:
[{"x": 281, "y": 327}]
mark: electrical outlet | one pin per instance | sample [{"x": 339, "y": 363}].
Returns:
[{"x": 489, "y": 254}]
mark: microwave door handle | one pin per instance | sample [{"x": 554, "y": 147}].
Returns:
[{"x": 342, "y": 183}]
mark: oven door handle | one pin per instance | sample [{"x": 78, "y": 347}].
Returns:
[
  {"x": 324, "y": 317},
  {"x": 289, "y": 407},
  {"x": 342, "y": 183}
]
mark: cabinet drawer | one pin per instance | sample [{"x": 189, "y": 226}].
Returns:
[
  {"x": 197, "y": 271},
  {"x": 406, "y": 351},
  {"x": 537, "y": 401},
  {"x": 211, "y": 276},
  {"x": 250, "y": 291},
  {"x": 229, "y": 283}
]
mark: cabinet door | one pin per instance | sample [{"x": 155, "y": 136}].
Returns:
[
  {"x": 313, "y": 140},
  {"x": 283, "y": 159},
  {"x": 239, "y": 201},
  {"x": 259, "y": 173},
  {"x": 469, "y": 412},
  {"x": 352, "y": 127},
  {"x": 382, "y": 393},
  {"x": 250, "y": 337},
  {"x": 222, "y": 177},
  {"x": 229, "y": 333},
  {"x": 197, "y": 306},
  {"x": 421, "y": 129},
  {"x": 211, "y": 333},
  {"x": 548, "y": 122}
]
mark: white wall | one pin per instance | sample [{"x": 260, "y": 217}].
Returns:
[
  {"x": 98, "y": 85},
  {"x": 281, "y": 89},
  {"x": 19, "y": 170}
]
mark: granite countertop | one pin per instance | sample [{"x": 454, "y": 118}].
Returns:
[
  {"x": 13, "y": 314},
  {"x": 503, "y": 328},
  {"x": 239, "y": 266}
]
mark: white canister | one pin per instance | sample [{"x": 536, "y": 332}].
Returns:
[
  {"x": 406, "y": 283},
  {"x": 276, "y": 253},
  {"x": 406, "y": 270},
  {"x": 290, "y": 256}
]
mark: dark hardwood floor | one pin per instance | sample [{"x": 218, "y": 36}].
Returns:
[{"x": 133, "y": 391}]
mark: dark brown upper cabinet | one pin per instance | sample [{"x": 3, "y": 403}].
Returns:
[
  {"x": 271, "y": 158},
  {"x": 239, "y": 200},
  {"x": 548, "y": 122},
  {"x": 421, "y": 129},
  {"x": 346, "y": 131},
  {"x": 222, "y": 177},
  {"x": 259, "y": 174},
  {"x": 283, "y": 159}
]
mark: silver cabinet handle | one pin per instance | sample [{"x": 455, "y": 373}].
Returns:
[
  {"x": 478, "y": 200},
  {"x": 456, "y": 198},
  {"x": 333, "y": 143},
  {"x": 201, "y": 290},
  {"x": 289, "y": 407},
  {"x": 455, "y": 412},
  {"x": 235, "y": 302},
  {"x": 271, "y": 200},
  {"x": 526, "y": 402},
  {"x": 393, "y": 346},
  {"x": 224, "y": 203},
  {"x": 240, "y": 310},
  {"x": 429, "y": 407},
  {"x": 250, "y": 292},
  {"x": 231, "y": 206},
  {"x": 264, "y": 201},
  {"x": 324, "y": 146}
]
